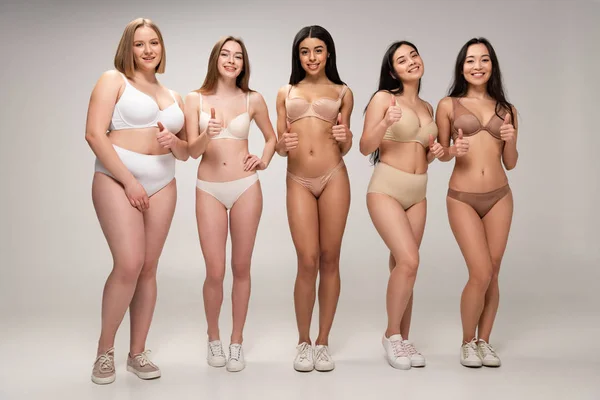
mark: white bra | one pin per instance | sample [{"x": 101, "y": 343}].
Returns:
[
  {"x": 136, "y": 109},
  {"x": 238, "y": 128}
]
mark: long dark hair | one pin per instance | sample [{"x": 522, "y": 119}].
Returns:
[
  {"x": 390, "y": 81},
  {"x": 318, "y": 32},
  {"x": 494, "y": 85}
]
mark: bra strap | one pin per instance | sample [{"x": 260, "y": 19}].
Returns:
[
  {"x": 343, "y": 91},
  {"x": 248, "y": 101},
  {"x": 124, "y": 78}
]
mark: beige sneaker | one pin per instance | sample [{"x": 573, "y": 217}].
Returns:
[
  {"x": 141, "y": 365},
  {"x": 104, "y": 368}
]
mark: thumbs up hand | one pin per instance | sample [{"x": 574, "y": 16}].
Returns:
[
  {"x": 393, "y": 113},
  {"x": 340, "y": 131},
  {"x": 435, "y": 148},
  {"x": 214, "y": 125},
  {"x": 290, "y": 139},
  {"x": 461, "y": 144},
  {"x": 507, "y": 130},
  {"x": 165, "y": 138}
]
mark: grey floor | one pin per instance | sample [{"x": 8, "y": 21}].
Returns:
[{"x": 549, "y": 351}]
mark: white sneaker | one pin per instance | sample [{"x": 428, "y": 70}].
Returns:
[
  {"x": 215, "y": 354},
  {"x": 469, "y": 356},
  {"x": 304, "y": 361},
  {"x": 323, "y": 360},
  {"x": 395, "y": 352},
  {"x": 236, "y": 360},
  {"x": 488, "y": 354},
  {"x": 416, "y": 358}
]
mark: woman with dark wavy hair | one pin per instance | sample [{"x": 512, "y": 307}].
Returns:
[
  {"x": 313, "y": 123},
  {"x": 399, "y": 133},
  {"x": 483, "y": 127}
]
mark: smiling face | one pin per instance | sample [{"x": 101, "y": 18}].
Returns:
[
  {"x": 147, "y": 48},
  {"x": 230, "y": 62},
  {"x": 313, "y": 55},
  {"x": 477, "y": 68},
  {"x": 407, "y": 64}
]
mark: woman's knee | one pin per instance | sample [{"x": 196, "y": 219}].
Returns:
[
  {"x": 408, "y": 263},
  {"x": 308, "y": 265},
  {"x": 241, "y": 270},
  {"x": 215, "y": 276},
  {"x": 481, "y": 277},
  {"x": 127, "y": 268},
  {"x": 329, "y": 262}
]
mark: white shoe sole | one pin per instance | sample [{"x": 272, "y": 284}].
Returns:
[
  {"x": 324, "y": 369},
  {"x": 405, "y": 366},
  {"x": 144, "y": 375},
  {"x": 301, "y": 368},
  {"x": 217, "y": 364},
  {"x": 471, "y": 364},
  {"x": 235, "y": 368},
  {"x": 493, "y": 364},
  {"x": 104, "y": 381},
  {"x": 417, "y": 364}
]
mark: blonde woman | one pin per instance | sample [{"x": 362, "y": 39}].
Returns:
[
  {"x": 218, "y": 117},
  {"x": 135, "y": 127}
]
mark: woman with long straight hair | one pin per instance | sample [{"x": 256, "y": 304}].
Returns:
[
  {"x": 399, "y": 133},
  {"x": 218, "y": 117},
  {"x": 313, "y": 123},
  {"x": 135, "y": 127},
  {"x": 483, "y": 127}
]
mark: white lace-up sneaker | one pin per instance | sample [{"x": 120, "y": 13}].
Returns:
[
  {"x": 215, "y": 354},
  {"x": 323, "y": 360},
  {"x": 416, "y": 359},
  {"x": 469, "y": 356},
  {"x": 487, "y": 353},
  {"x": 395, "y": 352},
  {"x": 304, "y": 361},
  {"x": 236, "y": 360}
]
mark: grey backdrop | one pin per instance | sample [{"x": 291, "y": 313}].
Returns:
[{"x": 54, "y": 257}]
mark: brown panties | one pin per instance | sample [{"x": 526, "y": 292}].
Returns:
[
  {"x": 482, "y": 203},
  {"x": 317, "y": 185}
]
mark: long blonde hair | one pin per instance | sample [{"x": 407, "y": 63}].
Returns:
[
  {"x": 124, "y": 61},
  {"x": 212, "y": 75}
]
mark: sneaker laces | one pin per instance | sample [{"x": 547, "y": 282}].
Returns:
[
  {"x": 303, "y": 350},
  {"x": 398, "y": 348},
  {"x": 235, "y": 352},
  {"x": 486, "y": 349},
  {"x": 142, "y": 359},
  {"x": 216, "y": 349},
  {"x": 105, "y": 361},
  {"x": 323, "y": 354},
  {"x": 469, "y": 349},
  {"x": 410, "y": 348}
]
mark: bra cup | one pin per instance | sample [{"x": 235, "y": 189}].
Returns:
[
  {"x": 172, "y": 118},
  {"x": 469, "y": 124},
  {"x": 203, "y": 121},
  {"x": 326, "y": 108},
  {"x": 137, "y": 110},
  {"x": 239, "y": 126},
  {"x": 296, "y": 108},
  {"x": 494, "y": 126}
]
